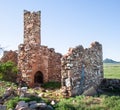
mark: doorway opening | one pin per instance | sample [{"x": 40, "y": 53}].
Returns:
[{"x": 38, "y": 78}]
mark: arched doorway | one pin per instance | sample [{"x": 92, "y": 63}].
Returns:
[{"x": 38, "y": 78}]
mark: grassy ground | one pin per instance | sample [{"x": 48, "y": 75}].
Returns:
[
  {"x": 4, "y": 85},
  {"x": 112, "y": 70},
  {"x": 90, "y": 103},
  {"x": 103, "y": 102}
]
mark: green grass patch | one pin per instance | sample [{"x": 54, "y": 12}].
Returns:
[
  {"x": 112, "y": 70},
  {"x": 103, "y": 102},
  {"x": 51, "y": 85},
  {"x": 4, "y": 85},
  {"x": 79, "y": 103},
  {"x": 112, "y": 102},
  {"x": 89, "y": 103}
]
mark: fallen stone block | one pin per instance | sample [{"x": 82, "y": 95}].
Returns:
[
  {"x": 90, "y": 92},
  {"x": 3, "y": 107}
]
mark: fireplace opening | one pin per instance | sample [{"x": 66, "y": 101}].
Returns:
[{"x": 38, "y": 78}]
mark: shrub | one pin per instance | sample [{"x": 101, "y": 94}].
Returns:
[{"x": 8, "y": 71}]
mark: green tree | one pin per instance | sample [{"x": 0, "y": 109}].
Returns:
[{"x": 8, "y": 71}]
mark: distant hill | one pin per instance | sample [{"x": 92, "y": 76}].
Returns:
[{"x": 107, "y": 60}]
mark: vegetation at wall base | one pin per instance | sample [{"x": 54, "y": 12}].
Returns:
[
  {"x": 103, "y": 102},
  {"x": 8, "y": 71},
  {"x": 109, "y": 101},
  {"x": 51, "y": 85},
  {"x": 6, "y": 84}
]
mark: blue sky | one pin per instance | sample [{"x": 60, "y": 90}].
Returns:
[{"x": 65, "y": 23}]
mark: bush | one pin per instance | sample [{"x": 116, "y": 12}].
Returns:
[{"x": 8, "y": 71}]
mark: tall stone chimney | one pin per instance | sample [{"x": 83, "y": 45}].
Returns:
[{"x": 32, "y": 25}]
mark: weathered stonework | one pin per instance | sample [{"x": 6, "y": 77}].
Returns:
[
  {"x": 82, "y": 68},
  {"x": 110, "y": 84},
  {"x": 37, "y": 63},
  {"x": 78, "y": 70},
  {"x": 9, "y": 56}
]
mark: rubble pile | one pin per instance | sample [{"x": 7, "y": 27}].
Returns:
[{"x": 22, "y": 105}]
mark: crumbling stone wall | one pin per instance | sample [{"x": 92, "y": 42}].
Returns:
[
  {"x": 32, "y": 27},
  {"x": 78, "y": 70},
  {"x": 9, "y": 56},
  {"x": 35, "y": 58},
  {"x": 54, "y": 66},
  {"x": 82, "y": 68},
  {"x": 110, "y": 84}
]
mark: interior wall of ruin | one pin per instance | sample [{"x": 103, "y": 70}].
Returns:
[
  {"x": 54, "y": 66},
  {"x": 82, "y": 68}
]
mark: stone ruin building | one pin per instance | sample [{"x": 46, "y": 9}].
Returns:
[
  {"x": 77, "y": 71},
  {"x": 37, "y": 63}
]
